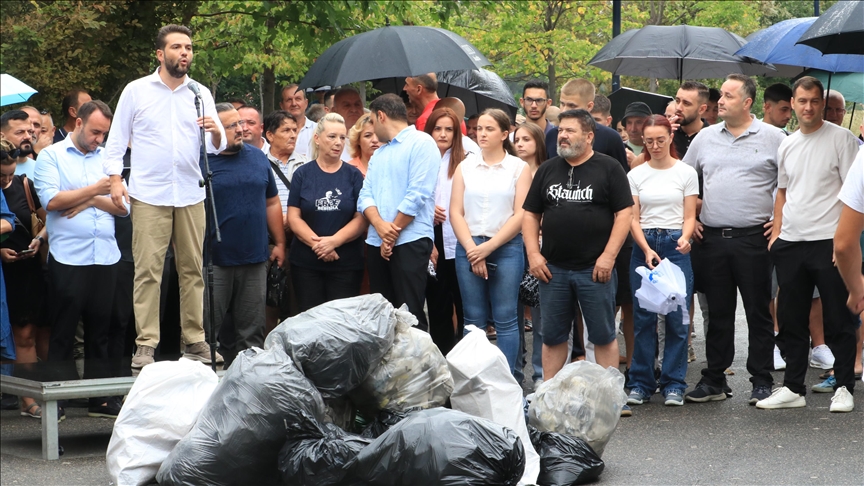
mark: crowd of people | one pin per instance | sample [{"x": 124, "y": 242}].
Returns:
[{"x": 447, "y": 214}]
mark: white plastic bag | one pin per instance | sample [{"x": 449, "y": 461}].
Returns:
[
  {"x": 412, "y": 375},
  {"x": 161, "y": 408},
  {"x": 484, "y": 387},
  {"x": 663, "y": 289},
  {"x": 583, "y": 400}
]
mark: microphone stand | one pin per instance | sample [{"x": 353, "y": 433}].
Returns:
[{"x": 207, "y": 183}]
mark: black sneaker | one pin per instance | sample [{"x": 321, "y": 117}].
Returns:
[
  {"x": 705, "y": 393},
  {"x": 111, "y": 409},
  {"x": 9, "y": 402},
  {"x": 728, "y": 391},
  {"x": 760, "y": 392}
]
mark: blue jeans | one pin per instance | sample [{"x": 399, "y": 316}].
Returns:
[
  {"x": 500, "y": 293},
  {"x": 566, "y": 290},
  {"x": 674, "y": 369}
]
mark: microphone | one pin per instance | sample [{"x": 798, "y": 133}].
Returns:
[{"x": 193, "y": 87}]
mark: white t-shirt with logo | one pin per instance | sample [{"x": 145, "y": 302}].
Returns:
[
  {"x": 812, "y": 168},
  {"x": 661, "y": 194}
]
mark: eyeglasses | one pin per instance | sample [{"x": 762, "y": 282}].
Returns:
[
  {"x": 660, "y": 142},
  {"x": 840, "y": 111},
  {"x": 233, "y": 125},
  {"x": 534, "y": 101}
]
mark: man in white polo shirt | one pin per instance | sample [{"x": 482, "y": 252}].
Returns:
[{"x": 812, "y": 165}]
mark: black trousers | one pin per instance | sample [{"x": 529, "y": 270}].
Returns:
[
  {"x": 315, "y": 287},
  {"x": 85, "y": 293},
  {"x": 442, "y": 295},
  {"x": 122, "y": 312},
  {"x": 402, "y": 280},
  {"x": 800, "y": 267},
  {"x": 730, "y": 265}
]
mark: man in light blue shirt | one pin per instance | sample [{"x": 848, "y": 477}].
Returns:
[
  {"x": 83, "y": 253},
  {"x": 397, "y": 200}
]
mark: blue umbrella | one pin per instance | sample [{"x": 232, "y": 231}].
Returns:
[
  {"x": 13, "y": 91},
  {"x": 777, "y": 45}
]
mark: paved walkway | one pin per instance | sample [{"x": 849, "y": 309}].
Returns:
[{"x": 722, "y": 443}]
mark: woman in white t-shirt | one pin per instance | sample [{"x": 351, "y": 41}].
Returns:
[
  {"x": 486, "y": 213},
  {"x": 442, "y": 292},
  {"x": 664, "y": 191}
]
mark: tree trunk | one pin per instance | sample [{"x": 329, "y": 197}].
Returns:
[
  {"x": 268, "y": 90},
  {"x": 653, "y": 85},
  {"x": 361, "y": 87},
  {"x": 553, "y": 86}
]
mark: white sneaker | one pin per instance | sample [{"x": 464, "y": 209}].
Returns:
[
  {"x": 782, "y": 398},
  {"x": 842, "y": 401},
  {"x": 822, "y": 358},
  {"x": 779, "y": 362}
]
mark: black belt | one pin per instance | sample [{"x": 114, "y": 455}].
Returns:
[{"x": 735, "y": 232}]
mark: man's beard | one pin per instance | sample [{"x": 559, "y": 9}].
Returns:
[
  {"x": 542, "y": 114},
  {"x": 175, "y": 70},
  {"x": 234, "y": 147},
  {"x": 688, "y": 120},
  {"x": 25, "y": 149},
  {"x": 573, "y": 151}
]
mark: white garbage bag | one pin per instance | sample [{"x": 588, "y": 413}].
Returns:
[
  {"x": 161, "y": 408},
  {"x": 663, "y": 289},
  {"x": 484, "y": 387},
  {"x": 583, "y": 400}
]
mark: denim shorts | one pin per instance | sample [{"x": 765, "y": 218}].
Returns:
[{"x": 566, "y": 290}]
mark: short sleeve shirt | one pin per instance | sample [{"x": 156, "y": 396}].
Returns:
[
  {"x": 327, "y": 203},
  {"x": 852, "y": 193},
  {"x": 578, "y": 206}
]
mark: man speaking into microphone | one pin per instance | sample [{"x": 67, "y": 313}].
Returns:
[{"x": 157, "y": 114}]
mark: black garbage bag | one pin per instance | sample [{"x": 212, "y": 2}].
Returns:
[
  {"x": 440, "y": 447},
  {"x": 337, "y": 344},
  {"x": 237, "y": 437},
  {"x": 382, "y": 423},
  {"x": 565, "y": 460},
  {"x": 316, "y": 453}
]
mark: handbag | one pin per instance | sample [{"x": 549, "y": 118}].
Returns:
[
  {"x": 36, "y": 223},
  {"x": 529, "y": 290},
  {"x": 277, "y": 283}
]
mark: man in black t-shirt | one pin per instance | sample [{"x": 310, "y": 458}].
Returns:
[{"x": 583, "y": 199}]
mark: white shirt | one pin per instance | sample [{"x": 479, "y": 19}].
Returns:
[
  {"x": 661, "y": 194},
  {"x": 304, "y": 139},
  {"x": 87, "y": 238},
  {"x": 852, "y": 193},
  {"x": 165, "y": 135},
  {"x": 812, "y": 168},
  {"x": 287, "y": 168},
  {"x": 443, "y": 190},
  {"x": 490, "y": 191},
  {"x": 469, "y": 146}
]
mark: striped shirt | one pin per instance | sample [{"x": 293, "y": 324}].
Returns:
[{"x": 287, "y": 168}]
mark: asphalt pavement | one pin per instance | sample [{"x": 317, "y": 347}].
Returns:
[{"x": 723, "y": 443}]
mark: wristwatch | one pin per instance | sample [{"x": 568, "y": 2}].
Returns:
[{"x": 39, "y": 237}]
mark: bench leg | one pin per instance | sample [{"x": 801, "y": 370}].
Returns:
[{"x": 50, "y": 439}]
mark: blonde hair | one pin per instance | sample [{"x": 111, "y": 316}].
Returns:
[
  {"x": 319, "y": 129},
  {"x": 354, "y": 135},
  {"x": 579, "y": 87}
]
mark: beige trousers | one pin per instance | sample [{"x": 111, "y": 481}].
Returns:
[{"x": 153, "y": 229}]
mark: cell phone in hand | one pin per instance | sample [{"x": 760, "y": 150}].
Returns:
[{"x": 26, "y": 252}]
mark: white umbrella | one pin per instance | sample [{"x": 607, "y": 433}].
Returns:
[{"x": 13, "y": 91}]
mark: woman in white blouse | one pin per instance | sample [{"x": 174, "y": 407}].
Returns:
[
  {"x": 442, "y": 292},
  {"x": 486, "y": 213},
  {"x": 664, "y": 191}
]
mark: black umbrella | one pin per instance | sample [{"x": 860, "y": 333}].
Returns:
[
  {"x": 676, "y": 52},
  {"x": 478, "y": 89},
  {"x": 624, "y": 96},
  {"x": 840, "y": 30},
  {"x": 392, "y": 52}
]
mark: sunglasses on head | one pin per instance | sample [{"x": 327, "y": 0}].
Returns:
[{"x": 14, "y": 154}]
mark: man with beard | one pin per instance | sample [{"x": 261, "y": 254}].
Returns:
[
  {"x": 253, "y": 128},
  {"x": 248, "y": 207},
  {"x": 777, "y": 106},
  {"x": 691, "y": 101},
  {"x": 71, "y": 102},
  {"x": 157, "y": 115},
  {"x": 583, "y": 189},
  {"x": 535, "y": 99},
  {"x": 15, "y": 127}
]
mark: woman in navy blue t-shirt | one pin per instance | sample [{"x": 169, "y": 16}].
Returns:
[{"x": 326, "y": 254}]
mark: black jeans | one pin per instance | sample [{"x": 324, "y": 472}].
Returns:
[
  {"x": 122, "y": 312},
  {"x": 802, "y": 265},
  {"x": 730, "y": 265},
  {"x": 442, "y": 295},
  {"x": 85, "y": 293},
  {"x": 402, "y": 280},
  {"x": 315, "y": 287}
]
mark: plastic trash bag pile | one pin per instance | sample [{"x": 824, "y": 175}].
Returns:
[
  {"x": 663, "y": 289},
  {"x": 351, "y": 393}
]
